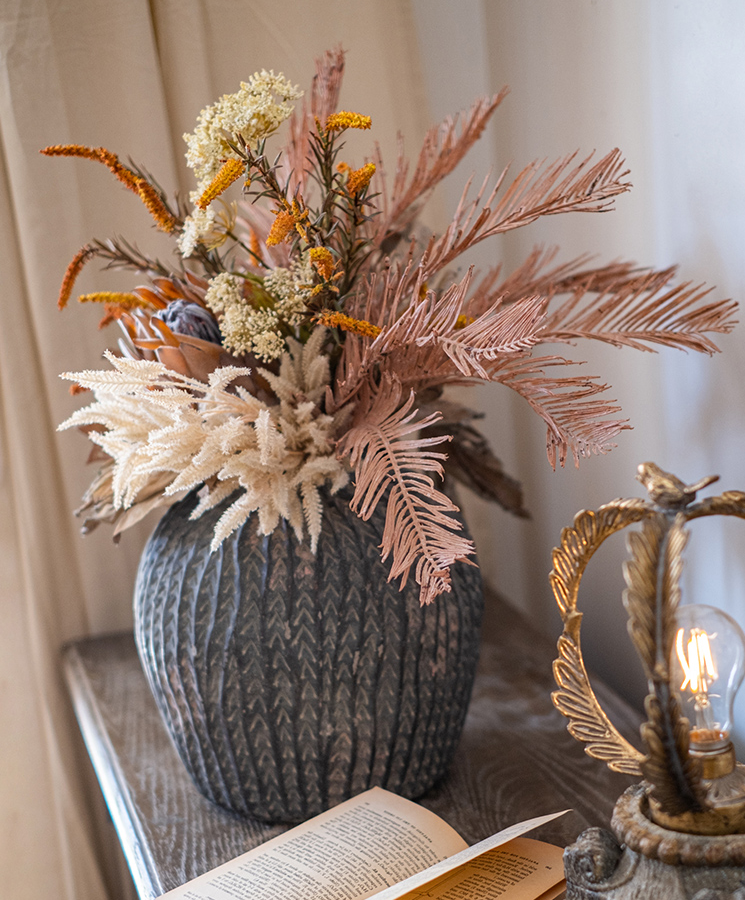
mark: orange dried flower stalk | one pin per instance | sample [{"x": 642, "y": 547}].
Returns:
[
  {"x": 281, "y": 229},
  {"x": 359, "y": 179},
  {"x": 323, "y": 260},
  {"x": 165, "y": 220},
  {"x": 72, "y": 272},
  {"x": 99, "y": 154},
  {"x": 340, "y": 320},
  {"x": 231, "y": 171},
  {"x": 136, "y": 183},
  {"x": 115, "y": 298},
  {"x": 125, "y": 175}
]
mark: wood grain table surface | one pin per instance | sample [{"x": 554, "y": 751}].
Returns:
[{"x": 515, "y": 759}]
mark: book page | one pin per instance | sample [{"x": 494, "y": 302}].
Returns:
[
  {"x": 354, "y": 850},
  {"x": 522, "y": 869},
  {"x": 416, "y": 883}
]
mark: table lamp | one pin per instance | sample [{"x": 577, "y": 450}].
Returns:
[{"x": 680, "y": 832}]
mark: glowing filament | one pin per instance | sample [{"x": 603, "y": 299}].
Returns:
[{"x": 698, "y": 665}]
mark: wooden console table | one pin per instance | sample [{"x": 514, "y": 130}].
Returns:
[{"x": 515, "y": 760}]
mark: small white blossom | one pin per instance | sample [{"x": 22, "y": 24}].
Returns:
[
  {"x": 292, "y": 287},
  {"x": 248, "y": 330},
  {"x": 253, "y": 112},
  {"x": 200, "y": 223},
  {"x": 224, "y": 290},
  {"x": 268, "y": 345}
]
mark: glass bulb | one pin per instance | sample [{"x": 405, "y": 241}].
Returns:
[{"x": 707, "y": 667}]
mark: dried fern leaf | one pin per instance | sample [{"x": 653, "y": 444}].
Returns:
[
  {"x": 496, "y": 333},
  {"x": 561, "y": 187},
  {"x": 444, "y": 147},
  {"x": 577, "y": 422},
  {"x": 419, "y": 531},
  {"x": 643, "y": 311}
]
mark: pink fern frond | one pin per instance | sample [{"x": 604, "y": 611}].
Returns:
[
  {"x": 390, "y": 461},
  {"x": 444, "y": 147},
  {"x": 497, "y": 332},
  {"x": 559, "y": 188},
  {"x": 578, "y": 420},
  {"x": 644, "y": 311},
  {"x": 324, "y": 98}
]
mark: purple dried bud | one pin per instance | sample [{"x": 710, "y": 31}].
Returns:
[{"x": 183, "y": 317}]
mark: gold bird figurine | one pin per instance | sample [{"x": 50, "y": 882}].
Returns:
[{"x": 667, "y": 490}]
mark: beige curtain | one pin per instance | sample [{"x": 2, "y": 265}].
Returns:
[{"x": 132, "y": 75}]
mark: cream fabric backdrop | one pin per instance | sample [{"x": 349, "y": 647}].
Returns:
[{"x": 132, "y": 75}]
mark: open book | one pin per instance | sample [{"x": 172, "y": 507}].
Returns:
[{"x": 383, "y": 846}]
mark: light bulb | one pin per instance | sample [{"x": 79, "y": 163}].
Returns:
[{"x": 707, "y": 667}]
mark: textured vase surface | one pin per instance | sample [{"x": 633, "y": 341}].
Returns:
[{"x": 291, "y": 681}]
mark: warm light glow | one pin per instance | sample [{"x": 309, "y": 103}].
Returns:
[{"x": 698, "y": 665}]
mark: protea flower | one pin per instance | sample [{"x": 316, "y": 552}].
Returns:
[{"x": 184, "y": 317}]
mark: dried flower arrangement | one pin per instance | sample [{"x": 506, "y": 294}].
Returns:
[{"x": 300, "y": 340}]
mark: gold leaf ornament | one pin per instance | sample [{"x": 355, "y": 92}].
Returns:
[
  {"x": 575, "y": 698},
  {"x": 676, "y": 781}
]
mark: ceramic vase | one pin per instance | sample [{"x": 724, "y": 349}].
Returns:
[{"x": 290, "y": 681}]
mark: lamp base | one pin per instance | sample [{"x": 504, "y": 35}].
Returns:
[{"x": 642, "y": 859}]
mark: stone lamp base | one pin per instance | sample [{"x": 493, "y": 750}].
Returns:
[{"x": 643, "y": 860}]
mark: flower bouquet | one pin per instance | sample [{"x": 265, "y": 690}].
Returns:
[{"x": 306, "y": 329}]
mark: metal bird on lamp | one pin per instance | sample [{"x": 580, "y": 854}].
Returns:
[{"x": 680, "y": 833}]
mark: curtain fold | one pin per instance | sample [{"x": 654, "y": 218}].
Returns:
[{"x": 131, "y": 76}]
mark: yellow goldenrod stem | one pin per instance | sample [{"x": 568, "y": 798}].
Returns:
[
  {"x": 281, "y": 228},
  {"x": 463, "y": 321},
  {"x": 359, "y": 179},
  {"x": 254, "y": 246},
  {"x": 341, "y": 120},
  {"x": 117, "y": 298},
  {"x": 323, "y": 262}
]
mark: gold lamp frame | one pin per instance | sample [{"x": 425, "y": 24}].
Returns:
[{"x": 669, "y": 818}]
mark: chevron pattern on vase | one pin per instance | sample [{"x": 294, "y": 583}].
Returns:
[{"x": 290, "y": 682}]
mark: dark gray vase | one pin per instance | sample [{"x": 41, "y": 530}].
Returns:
[{"x": 290, "y": 682}]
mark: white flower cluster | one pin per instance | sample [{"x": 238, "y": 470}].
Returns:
[
  {"x": 200, "y": 223},
  {"x": 248, "y": 330},
  {"x": 224, "y": 290},
  {"x": 292, "y": 287},
  {"x": 261, "y": 331},
  {"x": 253, "y": 112},
  {"x": 244, "y": 328}
]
